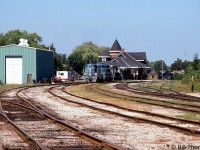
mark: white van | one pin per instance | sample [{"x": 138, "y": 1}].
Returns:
[{"x": 63, "y": 75}]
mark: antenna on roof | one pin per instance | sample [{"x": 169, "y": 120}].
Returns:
[{"x": 185, "y": 55}]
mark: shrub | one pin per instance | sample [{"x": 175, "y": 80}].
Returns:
[{"x": 178, "y": 76}]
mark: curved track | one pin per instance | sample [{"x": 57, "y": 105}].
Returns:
[
  {"x": 146, "y": 100},
  {"x": 147, "y": 117},
  {"x": 170, "y": 94},
  {"x": 29, "y": 121}
]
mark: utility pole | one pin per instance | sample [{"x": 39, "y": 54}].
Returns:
[{"x": 162, "y": 69}]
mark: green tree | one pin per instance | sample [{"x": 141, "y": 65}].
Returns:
[
  {"x": 179, "y": 65},
  {"x": 158, "y": 65},
  {"x": 151, "y": 64},
  {"x": 103, "y": 48},
  {"x": 59, "y": 62},
  {"x": 13, "y": 36},
  {"x": 193, "y": 70},
  {"x": 85, "y": 53},
  {"x": 195, "y": 62},
  {"x": 2, "y": 40}
]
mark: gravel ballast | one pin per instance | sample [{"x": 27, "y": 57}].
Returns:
[{"x": 130, "y": 134}]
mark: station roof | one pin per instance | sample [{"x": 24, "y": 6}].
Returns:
[
  {"x": 116, "y": 46},
  {"x": 105, "y": 53},
  {"x": 127, "y": 61}
]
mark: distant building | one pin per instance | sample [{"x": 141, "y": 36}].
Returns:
[
  {"x": 22, "y": 64},
  {"x": 132, "y": 64},
  {"x": 153, "y": 75}
]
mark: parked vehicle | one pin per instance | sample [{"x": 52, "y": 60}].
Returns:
[
  {"x": 56, "y": 80},
  {"x": 67, "y": 75},
  {"x": 63, "y": 75}
]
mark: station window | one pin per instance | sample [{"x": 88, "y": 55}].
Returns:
[{"x": 103, "y": 59}]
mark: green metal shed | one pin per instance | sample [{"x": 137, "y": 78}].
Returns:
[{"x": 20, "y": 64}]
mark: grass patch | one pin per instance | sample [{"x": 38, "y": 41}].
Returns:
[
  {"x": 10, "y": 86},
  {"x": 122, "y": 101},
  {"x": 189, "y": 116},
  {"x": 80, "y": 90},
  {"x": 174, "y": 85}
]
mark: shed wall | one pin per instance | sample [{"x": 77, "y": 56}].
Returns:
[
  {"x": 44, "y": 64},
  {"x": 28, "y": 61}
]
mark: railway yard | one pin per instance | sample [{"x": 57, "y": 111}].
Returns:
[{"x": 98, "y": 116}]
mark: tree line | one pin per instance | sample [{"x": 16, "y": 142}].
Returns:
[
  {"x": 191, "y": 70},
  {"x": 88, "y": 53},
  {"x": 85, "y": 53}
]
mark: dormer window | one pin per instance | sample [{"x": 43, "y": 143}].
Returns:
[{"x": 103, "y": 59}]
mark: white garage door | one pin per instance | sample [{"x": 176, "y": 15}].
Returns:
[{"x": 13, "y": 70}]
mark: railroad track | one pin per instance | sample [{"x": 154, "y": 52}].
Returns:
[
  {"x": 159, "y": 93},
  {"x": 171, "y": 98},
  {"x": 146, "y": 100},
  {"x": 183, "y": 125},
  {"x": 10, "y": 139},
  {"x": 42, "y": 131}
]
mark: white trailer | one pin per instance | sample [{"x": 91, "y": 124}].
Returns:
[{"x": 63, "y": 75}]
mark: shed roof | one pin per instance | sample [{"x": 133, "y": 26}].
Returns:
[
  {"x": 152, "y": 72},
  {"x": 25, "y": 47}
]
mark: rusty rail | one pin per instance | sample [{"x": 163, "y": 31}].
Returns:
[
  {"x": 118, "y": 86},
  {"x": 146, "y": 100},
  {"x": 75, "y": 130},
  {"x": 26, "y": 137},
  {"x": 183, "y": 129},
  {"x": 176, "y": 95},
  {"x": 134, "y": 110}
]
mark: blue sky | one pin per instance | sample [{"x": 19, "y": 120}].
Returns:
[{"x": 164, "y": 29}]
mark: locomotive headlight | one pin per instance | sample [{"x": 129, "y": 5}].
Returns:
[{"x": 95, "y": 74}]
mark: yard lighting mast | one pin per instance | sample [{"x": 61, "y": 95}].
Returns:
[{"x": 162, "y": 68}]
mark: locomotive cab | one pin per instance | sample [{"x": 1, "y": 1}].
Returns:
[
  {"x": 90, "y": 73},
  {"x": 101, "y": 72}
]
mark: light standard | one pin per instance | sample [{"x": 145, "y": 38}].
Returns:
[{"x": 162, "y": 68}]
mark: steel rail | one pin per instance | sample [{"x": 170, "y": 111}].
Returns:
[
  {"x": 133, "y": 110},
  {"x": 157, "y": 94},
  {"x": 77, "y": 131},
  {"x": 175, "y": 95},
  {"x": 128, "y": 97},
  {"x": 183, "y": 129},
  {"x": 25, "y": 136}
]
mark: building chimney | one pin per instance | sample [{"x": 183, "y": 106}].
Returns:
[{"x": 122, "y": 50}]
